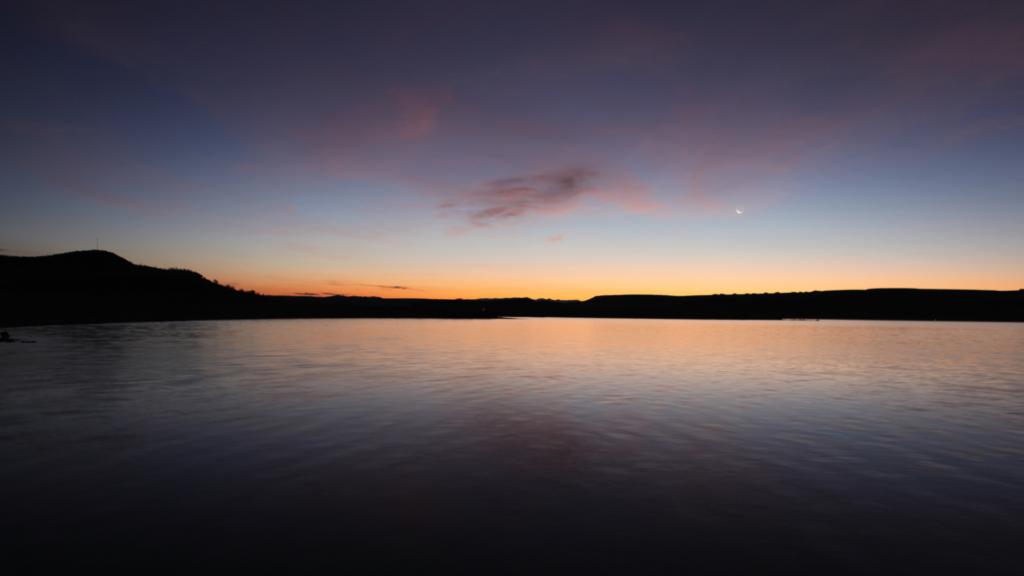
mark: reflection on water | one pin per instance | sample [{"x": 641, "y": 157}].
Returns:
[{"x": 540, "y": 444}]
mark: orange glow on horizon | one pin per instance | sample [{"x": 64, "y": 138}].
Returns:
[
  {"x": 583, "y": 291},
  {"x": 583, "y": 280}
]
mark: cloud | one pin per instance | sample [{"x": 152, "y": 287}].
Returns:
[
  {"x": 510, "y": 199},
  {"x": 557, "y": 237},
  {"x": 382, "y": 287},
  {"x": 307, "y": 294}
]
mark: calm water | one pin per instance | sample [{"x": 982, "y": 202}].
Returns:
[{"x": 562, "y": 445}]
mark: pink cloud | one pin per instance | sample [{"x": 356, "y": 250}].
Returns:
[
  {"x": 402, "y": 114},
  {"x": 418, "y": 110},
  {"x": 709, "y": 157}
]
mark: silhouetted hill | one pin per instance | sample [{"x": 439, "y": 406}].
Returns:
[
  {"x": 96, "y": 286},
  {"x": 98, "y": 271}
]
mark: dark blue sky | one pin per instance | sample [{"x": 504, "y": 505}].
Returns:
[{"x": 559, "y": 149}]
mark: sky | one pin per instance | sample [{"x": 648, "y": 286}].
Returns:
[{"x": 555, "y": 149}]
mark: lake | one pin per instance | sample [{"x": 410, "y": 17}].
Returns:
[{"x": 519, "y": 445}]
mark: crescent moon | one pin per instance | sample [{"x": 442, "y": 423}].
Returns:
[{"x": 739, "y": 209}]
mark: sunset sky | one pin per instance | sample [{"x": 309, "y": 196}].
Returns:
[{"x": 554, "y": 149}]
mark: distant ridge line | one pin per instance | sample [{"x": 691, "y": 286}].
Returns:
[{"x": 97, "y": 286}]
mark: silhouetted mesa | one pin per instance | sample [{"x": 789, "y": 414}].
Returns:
[{"x": 96, "y": 286}]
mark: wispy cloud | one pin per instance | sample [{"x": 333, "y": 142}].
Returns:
[
  {"x": 384, "y": 287},
  {"x": 557, "y": 237},
  {"x": 511, "y": 199}
]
